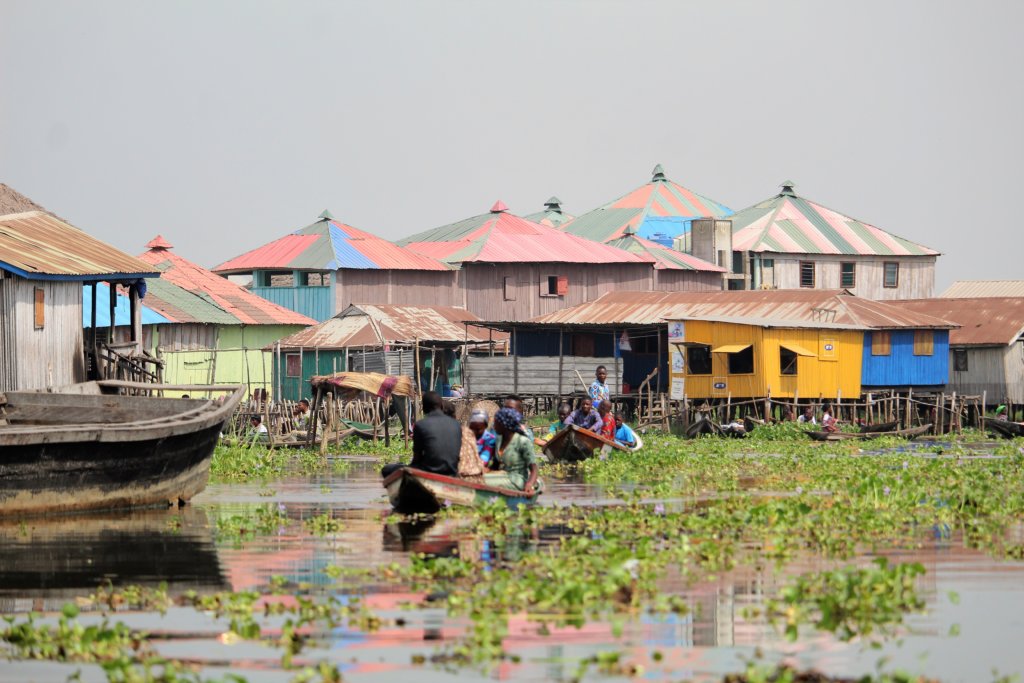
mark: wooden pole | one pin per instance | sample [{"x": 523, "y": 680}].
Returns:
[
  {"x": 561, "y": 358},
  {"x": 419, "y": 383},
  {"x": 113, "y": 311},
  {"x": 515, "y": 364}
]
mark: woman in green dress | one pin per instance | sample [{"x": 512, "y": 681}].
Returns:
[{"x": 515, "y": 454}]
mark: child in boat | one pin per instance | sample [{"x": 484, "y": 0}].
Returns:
[
  {"x": 258, "y": 430},
  {"x": 515, "y": 453},
  {"x": 484, "y": 438},
  {"x": 599, "y": 390},
  {"x": 604, "y": 411},
  {"x": 828, "y": 423},
  {"x": 623, "y": 433},
  {"x": 564, "y": 410}
]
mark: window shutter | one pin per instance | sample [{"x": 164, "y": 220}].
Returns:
[
  {"x": 40, "y": 308},
  {"x": 880, "y": 343},
  {"x": 509, "y": 285},
  {"x": 924, "y": 343},
  {"x": 563, "y": 285}
]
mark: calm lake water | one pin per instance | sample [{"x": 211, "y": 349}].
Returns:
[{"x": 46, "y": 563}]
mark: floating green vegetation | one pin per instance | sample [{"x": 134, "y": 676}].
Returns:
[{"x": 235, "y": 463}]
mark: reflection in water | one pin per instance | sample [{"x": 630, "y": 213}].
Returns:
[
  {"x": 49, "y": 560},
  {"x": 57, "y": 560}
]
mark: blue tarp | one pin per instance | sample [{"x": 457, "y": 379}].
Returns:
[{"x": 122, "y": 314}]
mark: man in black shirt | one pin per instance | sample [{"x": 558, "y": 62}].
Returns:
[{"x": 436, "y": 440}]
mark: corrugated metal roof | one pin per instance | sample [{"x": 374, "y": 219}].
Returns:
[
  {"x": 122, "y": 309},
  {"x": 37, "y": 245},
  {"x": 664, "y": 258},
  {"x": 984, "y": 321},
  {"x": 329, "y": 244},
  {"x": 12, "y": 201},
  {"x": 813, "y": 308},
  {"x": 502, "y": 237},
  {"x": 238, "y": 305},
  {"x": 659, "y": 206},
  {"x": 985, "y": 288},
  {"x": 790, "y": 224},
  {"x": 378, "y": 324},
  {"x": 552, "y": 215}
]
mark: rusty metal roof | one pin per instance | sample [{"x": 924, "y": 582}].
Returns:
[
  {"x": 40, "y": 246},
  {"x": 379, "y": 324},
  {"x": 985, "y": 288},
  {"x": 984, "y": 321},
  {"x": 811, "y": 308}
]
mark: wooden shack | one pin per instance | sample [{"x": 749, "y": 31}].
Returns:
[
  {"x": 43, "y": 265},
  {"x": 429, "y": 343},
  {"x": 986, "y": 353}
]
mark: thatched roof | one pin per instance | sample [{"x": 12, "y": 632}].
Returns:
[{"x": 12, "y": 201}]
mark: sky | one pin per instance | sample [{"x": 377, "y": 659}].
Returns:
[{"x": 224, "y": 125}]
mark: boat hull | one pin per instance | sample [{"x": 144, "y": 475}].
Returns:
[
  {"x": 163, "y": 459},
  {"x": 1005, "y": 429},
  {"x": 573, "y": 444},
  {"x": 411, "y": 491},
  {"x": 879, "y": 428}
]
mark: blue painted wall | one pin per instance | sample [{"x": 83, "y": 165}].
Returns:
[
  {"x": 902, "y": 368},
  {"x": 315, "y": 302}
]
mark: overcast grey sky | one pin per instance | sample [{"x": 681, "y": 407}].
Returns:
[{"x": 223, "y": 125}]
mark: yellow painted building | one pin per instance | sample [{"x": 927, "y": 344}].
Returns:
[{"x": 719, "y": 359}]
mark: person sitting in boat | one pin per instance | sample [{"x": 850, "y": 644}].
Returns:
[
  {"x": 787, "y": 414},
  {"x": 604, "y": 411},
  {"x": 483, "y": 437},
  {"x": 564, "y": 410},
  {"x": 807, "y": 417},
  {"x": 300, "y": 416},
  {"x": 258, "y": 430},
  {"x": 470, "y": 465},
  {"x": 436, "y": 440},
  {"x": 585, "y": 416},
  {"x": 1001, "y": 413},
  {"x": 828, "y": 422},
  {"x": 598, "y": 389},
  {"x": 516, "y": 403},
  {"x": 515, "y": 453},
  {"x": 623, "y": 433}
]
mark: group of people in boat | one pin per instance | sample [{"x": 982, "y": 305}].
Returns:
[{"x": 500, "y": 455}]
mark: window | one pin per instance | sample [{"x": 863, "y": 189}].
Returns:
[
  {"x": 742, "y": 362},
  {"x": 737, "y": 262},
  {"x": 698, "y": 359},
  {"x": 960, "y": 360},
  {"x": 554, "y": 285},
  {"x": 787, "y": 361},
  {"x": 807, "y": 273},
  {"x": 924, "y": 343},
  {"x": 40, "y": 308},
  {"x": 768, "y": 263},
  {"x": 881, "y": 344},
  {"x": 891, "y": 276},
  {"x": 583, "y": 345},
  {"x": 292, "y": 365},
  {"x": 508, "y": 284},
  {"x": 847, "y": 274},
  {"x": 647, "y": 344}
]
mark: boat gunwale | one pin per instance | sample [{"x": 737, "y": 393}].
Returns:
[{"x": 456, "y": 481}]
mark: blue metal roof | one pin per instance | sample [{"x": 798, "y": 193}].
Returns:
[{"x": 122, "y": 312}]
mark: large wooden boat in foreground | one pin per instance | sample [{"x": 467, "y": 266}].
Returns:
[
  {"x": 103, "y": 445},
  {"x": 411, "y": 490}
]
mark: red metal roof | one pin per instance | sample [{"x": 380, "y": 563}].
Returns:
[
  {"x": 984, "y": 321},
  {"x": 39, "y": 245},
  {"x": 245, "y": 306},
  {"x": 502, "y": 237},
  {"x": 379, "y": 324},
  {"x": 815, "y": 308}
]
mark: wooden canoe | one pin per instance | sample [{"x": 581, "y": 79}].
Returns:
[
  {"x": 700, "y": 427},
  {"x": 411, "y": 490},
  {"x": 879, "y": 428},
  {"x": 911, "y": 433},
  {"x": 574, "y": 443},
  {"x": 837, "y": 436},
  {"x": 1005, "y": 428},
  {"x": 91, "y": 446}
]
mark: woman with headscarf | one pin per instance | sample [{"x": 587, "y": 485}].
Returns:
[{"x": 515, "y": 453}]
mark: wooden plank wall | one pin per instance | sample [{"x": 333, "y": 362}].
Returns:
[
  {"x": 38, "y": 358},
  {"x": 185, "y": 337},
  {"x": 399, "y": 362},
  {"x": 916, "y": 277},
  {"x": 409, "y": 287},
  {"x": 688, "y": 281},
  {"x": 1014, "y": 358},
  {"x": 495, "y": 375}
]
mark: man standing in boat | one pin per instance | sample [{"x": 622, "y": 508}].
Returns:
[{"x": 436, "y": 440}]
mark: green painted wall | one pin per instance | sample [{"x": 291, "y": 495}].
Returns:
[{"x": 295, "y": 387}]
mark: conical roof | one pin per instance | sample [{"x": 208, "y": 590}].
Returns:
[
  {"x": 553, "y": 216},
  {"x": 664, "y": 257},
  {"x": 329, "y": 244},
  {"x": 503, "y": 237},
  {"x": 790, "y": 224},
  {"x": 660, "y": 206}
]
